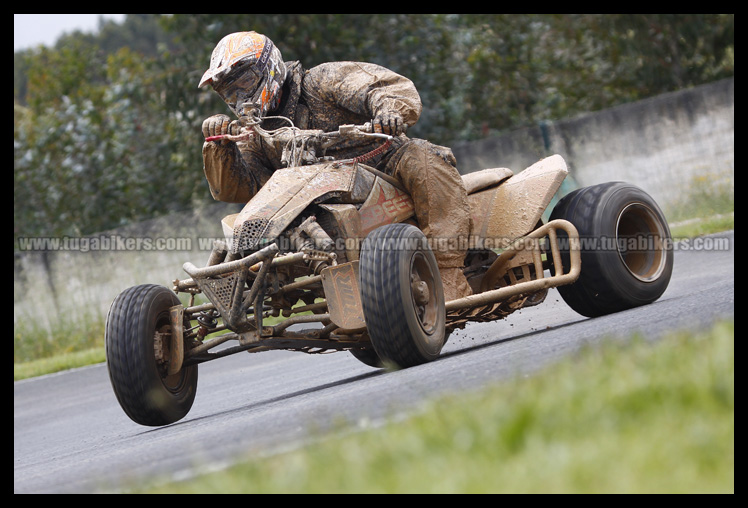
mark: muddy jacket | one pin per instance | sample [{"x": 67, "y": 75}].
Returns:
[{"x": 324, "y": 98}]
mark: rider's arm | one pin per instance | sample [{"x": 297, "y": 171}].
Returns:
[
  {"x": 366, "y": 89},
  {"x": 233, "y": 175}
]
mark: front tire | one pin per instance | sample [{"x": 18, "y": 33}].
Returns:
[
  {"x": 626, "y": 248},
  {"x": 147, "y": 394},
  {"x": 368, "y": 357},
  {"x": 402, "y": 296}
]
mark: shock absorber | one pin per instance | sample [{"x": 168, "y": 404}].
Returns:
[
  {"x": 206, "y": 320},
  {"x": 309, "y": 237},
  {"x": 319, "y": 236}
]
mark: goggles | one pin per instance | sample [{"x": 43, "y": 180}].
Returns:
[{"x": 241, "y": 87}]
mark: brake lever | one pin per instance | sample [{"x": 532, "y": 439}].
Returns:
[
  {"x": 239, "y": 137},
  {"x": 365, "y": 130}
]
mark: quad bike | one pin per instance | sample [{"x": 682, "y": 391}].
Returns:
[{"x": 328, "y": 256}]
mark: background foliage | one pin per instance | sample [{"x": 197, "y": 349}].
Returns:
[{"x": 107, "y": 126}]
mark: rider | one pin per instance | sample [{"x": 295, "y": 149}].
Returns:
[{"x": 247, "y": 70}]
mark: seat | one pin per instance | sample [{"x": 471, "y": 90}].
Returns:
[{"x": 485, "y": 178}]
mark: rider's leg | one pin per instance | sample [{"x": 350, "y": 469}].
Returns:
[{"x": 429, "y": 174}]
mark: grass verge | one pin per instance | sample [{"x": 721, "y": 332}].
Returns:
[
  {"x": 38, "y": 351},
  {"x": 699, "y": 227},
  {"x": 58, "y": 363},
  {"x": 626, "y": 417}
]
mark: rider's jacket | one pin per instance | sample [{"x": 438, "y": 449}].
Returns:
[{"x": 323, "y": 97}]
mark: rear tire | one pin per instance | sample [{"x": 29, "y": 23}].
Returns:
[
  {"x": 402, "y": 296},
  {"x": 627, "y": 256},
  {"x": 144, "y": 390}
]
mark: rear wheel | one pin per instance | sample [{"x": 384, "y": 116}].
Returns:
[
  {"x": 402, "y": 296},
  {"x": 138, "y": 335},
  {"x": 626, "y": 248}
]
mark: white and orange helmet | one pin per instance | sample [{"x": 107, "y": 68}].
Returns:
[{"x": 246, "y": 69}]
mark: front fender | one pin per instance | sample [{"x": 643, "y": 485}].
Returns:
[{"x": 288, "y": 192}]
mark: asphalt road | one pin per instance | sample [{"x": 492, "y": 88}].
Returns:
[{"x": 70, "y": 435}]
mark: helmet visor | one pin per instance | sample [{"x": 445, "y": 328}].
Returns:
[{"x": 242, "y": 86}]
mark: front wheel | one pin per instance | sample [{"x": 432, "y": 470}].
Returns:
[
  {"x": 138, "y": 334},
  {"x": 368, "y": 357},
  {"x": 626, "y": 248},
  {"x": 402, "y": 296}
]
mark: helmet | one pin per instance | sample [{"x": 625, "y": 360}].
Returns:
[{"x": 246, "y": 69}]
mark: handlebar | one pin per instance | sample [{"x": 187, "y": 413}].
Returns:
[
  {"x": 347, "y": 130},
  {"x": 303, "y": 146}
]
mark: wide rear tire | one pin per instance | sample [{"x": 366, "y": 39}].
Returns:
[{"x": 626, "y": 248}]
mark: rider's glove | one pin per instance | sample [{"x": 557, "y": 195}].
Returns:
[
  {"x": 216, "y": 125},
  {"x": 389, "y": 123}
]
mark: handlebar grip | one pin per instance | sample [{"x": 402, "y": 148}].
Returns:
[{"x": 239, "y": 137}]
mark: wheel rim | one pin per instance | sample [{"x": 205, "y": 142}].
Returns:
[
  {"x": 423, "y": 293},
  {"x": 639, "y": 240}
]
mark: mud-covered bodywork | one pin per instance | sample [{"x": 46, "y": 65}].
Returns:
[
  {"x": 512, "y": 209},
  {"x": 289, "y": 192}
]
